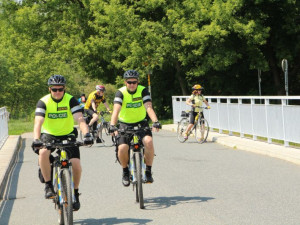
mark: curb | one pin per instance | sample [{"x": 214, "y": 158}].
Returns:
[{"x": 8, "y": 154}]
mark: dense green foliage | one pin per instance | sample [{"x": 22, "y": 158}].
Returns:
[{"x": 217, "y": 43}]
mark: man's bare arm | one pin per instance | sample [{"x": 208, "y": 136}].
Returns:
[
  {"x": 81, "y": 122},
  {"x": 38, "y": 122}
]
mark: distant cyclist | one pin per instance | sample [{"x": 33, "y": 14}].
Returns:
[
  {"x": 131, "y": 105},
  {"x": 91, "y": 105},
  {"x": 82, "y": 100},
  {"x": 54, "y": 119},
  {"x": 196, "y": 99}
]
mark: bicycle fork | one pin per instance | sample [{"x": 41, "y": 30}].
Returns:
[{"x": 136, "y": 149}]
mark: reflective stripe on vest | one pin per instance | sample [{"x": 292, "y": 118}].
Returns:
[
  {"x": 58, "y": 117},
  {"x": 133, "y": 109}
]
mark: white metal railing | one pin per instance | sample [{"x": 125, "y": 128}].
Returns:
[
  {"x": 272, "y": 117},
  {"x": 4, "y": 117}
]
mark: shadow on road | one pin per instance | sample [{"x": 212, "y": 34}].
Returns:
[
  {"x": 166, "y": 202},
  {"x": 112, "y": 220},
  {"x": 9, "y": 196}
]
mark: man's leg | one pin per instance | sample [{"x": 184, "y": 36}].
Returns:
[
  {"x": 45, "y": 166},
  {"x": 95, "y": 118},
  {"x": 123, "y": 157},
  {"x": 76, "y": 166},
  {"x": 149, "y": 156}
]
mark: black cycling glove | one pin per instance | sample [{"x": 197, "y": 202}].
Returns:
[
  {"x": 88, "y": 139},
  {"x": 156, "y": 125},
  {"x": 36, "y": 145},
  {"x": 112, "y": 128}
]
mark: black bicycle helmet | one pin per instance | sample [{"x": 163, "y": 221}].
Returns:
[
  {"x": 57, "y": 80},
  {"x": 131, "y": 74}
]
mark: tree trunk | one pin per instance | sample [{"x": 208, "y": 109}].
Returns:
[
  {"x": 181, "y": 81},
  {"x": 275, "y": 72}
]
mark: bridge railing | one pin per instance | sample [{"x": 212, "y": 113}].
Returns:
[
  {"x": 272, "y": 117},
  {"x": 4, "y": 117}
]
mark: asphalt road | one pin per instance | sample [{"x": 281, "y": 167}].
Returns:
[{"x": 194, "y": 184}]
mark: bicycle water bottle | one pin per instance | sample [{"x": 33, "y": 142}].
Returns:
[{"x": 196, "y": 118}]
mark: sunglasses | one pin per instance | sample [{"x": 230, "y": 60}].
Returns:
[
  {"x": 131, "y": 82},
  {"x": 57, "y": 89}
]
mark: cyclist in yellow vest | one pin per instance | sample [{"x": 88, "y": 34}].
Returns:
[
  {"x": 91, "y": 105},
  {"x": 196, "y": 99},
  {"x": 54, "y": 119},
  {"x": 131, "y": 104}
]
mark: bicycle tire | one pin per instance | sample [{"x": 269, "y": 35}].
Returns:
[
  {"x": 182, "y": 126},
  {"x": 201, "y": 131},
  {"x": 56, "y": 199},
  {"x": 67, "y": 196},
  {"x": 139, "y": 189},
  {"x": 107, "y": 137}
]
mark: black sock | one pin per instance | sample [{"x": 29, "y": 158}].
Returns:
[
  {"x": 76, "y": 191},
  {"x": 148, "y": 168},
  {"x": 48, "y": 183},
  {"x": 125, "y": 170}
]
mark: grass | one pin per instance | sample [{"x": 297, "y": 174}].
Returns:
[{"x": 19, "y": 126}]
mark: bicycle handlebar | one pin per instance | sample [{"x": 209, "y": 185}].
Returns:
[
  {"x": 63, "y": 144},
  {"x": 102, "y": 113},
  {"x": 201, "y": 107}
]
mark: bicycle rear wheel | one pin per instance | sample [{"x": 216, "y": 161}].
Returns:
[
  {"x": 67, "y": 197},
  {"x": 182, "y": 126},
  {"x": 201, "y": 131},
  {"x": 139, "y": 189},
  {"x": 106, "y": 137}
]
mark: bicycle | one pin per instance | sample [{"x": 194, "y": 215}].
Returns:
[
  {"x": 100, "y": 130},
  {"x": 62, "y": 179},
  {"x": 136, "y": 163},
  {"x": 201, "y": 127},
  {"x": 103, "y": 133}
]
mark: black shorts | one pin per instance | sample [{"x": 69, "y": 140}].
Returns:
[
  {"x": 126, "y": 138},
  {"x": 74, "y": 151},
  {"x": 193, "y": 115},
  {"x": 89, "y": 112}
]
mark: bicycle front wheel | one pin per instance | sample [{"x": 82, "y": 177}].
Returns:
[
  {"x": 182, "y": 126},
  {"x": 56, "y": 199},
  {"x": 67, "y": 197},
  {"x": 202, "y": 130},
  {"x": 139, "y": 188},
  {"x": 106, "y": 137}
]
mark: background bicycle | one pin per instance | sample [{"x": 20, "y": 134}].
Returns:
[
  {"x": 100, "y": 130},
  {"x": 136, "y": 163},
  {"x": 62, "y": 179},
  {"x": 200, "y": 128}
]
